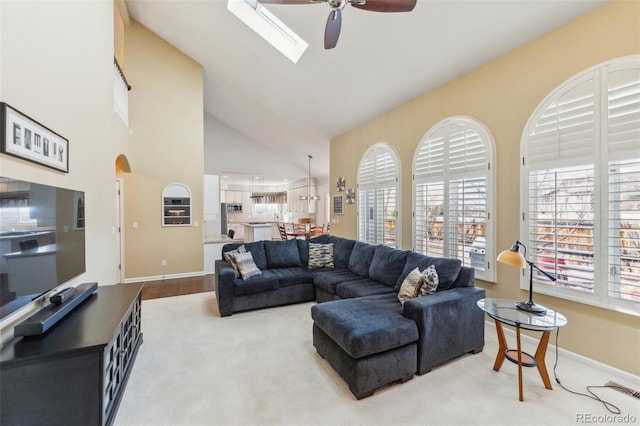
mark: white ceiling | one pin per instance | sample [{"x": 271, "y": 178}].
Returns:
[{"x": 382, "y": 61}]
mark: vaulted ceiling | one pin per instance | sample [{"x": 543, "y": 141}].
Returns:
[{"x": 382, "y": 60}]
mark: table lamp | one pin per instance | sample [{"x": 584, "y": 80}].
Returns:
[{"x": 514, "y": 258}]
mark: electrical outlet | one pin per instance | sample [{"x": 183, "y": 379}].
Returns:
[{"x": 163, "y": 262}]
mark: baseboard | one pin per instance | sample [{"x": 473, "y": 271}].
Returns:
[
  {"x": 624, "y": 375},
  {"x": 164, "y": 277}
]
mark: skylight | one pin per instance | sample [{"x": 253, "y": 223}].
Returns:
[{"x": 270, "y": 28}]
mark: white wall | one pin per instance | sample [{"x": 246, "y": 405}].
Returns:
[
  {"x": 227, "y": 150},
  {"x": 56, "y": 62}
]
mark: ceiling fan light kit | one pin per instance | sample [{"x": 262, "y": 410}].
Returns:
[{"x": 334, "y": 22}]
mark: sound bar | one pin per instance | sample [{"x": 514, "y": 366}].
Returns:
[{"x": 48, "y": 316}]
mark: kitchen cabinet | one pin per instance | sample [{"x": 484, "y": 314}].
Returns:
[{"x": 233, "y": 197}]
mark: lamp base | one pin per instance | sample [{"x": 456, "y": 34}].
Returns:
[{"x": 529, "y": 306}]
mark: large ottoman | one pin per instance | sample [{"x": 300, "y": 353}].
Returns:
[{"x": 367, "y": 341}]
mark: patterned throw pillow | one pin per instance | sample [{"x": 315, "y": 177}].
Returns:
[
  {"x": 320, "y": 255},
  {"x": 229, "y": 256},
  {"x": 410, "y": 287},
  {"x": 246, "y": 265}
]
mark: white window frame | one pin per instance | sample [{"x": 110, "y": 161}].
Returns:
[
  {"x": 599, "y": 154},
  {"x": 377, "y": 150},
  {"x": 442, "y": 173}
]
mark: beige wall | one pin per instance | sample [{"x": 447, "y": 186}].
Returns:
[
  {"x": 56, "y": 65},
  {"x": 166, "y": 118},
  {"x": 502, "y": 95}
]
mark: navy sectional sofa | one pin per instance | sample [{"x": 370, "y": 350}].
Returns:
[{"x": 363, "y": 330}]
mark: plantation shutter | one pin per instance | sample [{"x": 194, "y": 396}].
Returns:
[
  {"x": 582, "y": 170},
  {"x": 451, "y": 176},
  {"x": 565, "y": 129},
  {"x": 377, "y": 193},
  {"x": 623, "y": 143},
  {"x": 624, "y": 229},
  {"x": 467, "y": 161},
  {"x": 561, "y": 231}
]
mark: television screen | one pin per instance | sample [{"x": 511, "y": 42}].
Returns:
[{"x": 42, "y": 243}]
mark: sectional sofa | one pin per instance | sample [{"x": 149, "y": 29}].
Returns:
[{"x": 360, "y": 327}]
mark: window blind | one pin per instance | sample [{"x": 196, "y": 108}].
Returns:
[
  {"x": 582, "y": 171},
  {"x": 377, "y": 195},
  {"x": 561, "y": 225},
  {"x": 565, "y": 128},
  {"x": 450, "y": 192}
]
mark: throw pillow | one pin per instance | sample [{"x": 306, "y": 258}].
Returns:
[
  {"x": 410, "y": 287},
  {"x": 229, "y": 256},
  {"x": 320, "y": 255},
  {"x": 246, "y": 265},
  {"x": 430, "y": 281}
]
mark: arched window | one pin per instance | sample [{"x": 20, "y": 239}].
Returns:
[
  {"x": 581, "y": 187},
  {"x": 378, "y": 196},
  {"x": 452, "y": 194}
]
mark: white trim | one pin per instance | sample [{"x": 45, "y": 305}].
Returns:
[{"x": 164, "y": 277}]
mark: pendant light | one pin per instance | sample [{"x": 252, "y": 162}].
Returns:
[{"x": 309, "y": 197}]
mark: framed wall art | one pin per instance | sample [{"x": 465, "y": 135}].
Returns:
[
  {"x": 338, "y": 205},
  {"x": 25, "y": 138},
  {"x": 351, "y": 196},
  {"x": 340, "y": 184}
]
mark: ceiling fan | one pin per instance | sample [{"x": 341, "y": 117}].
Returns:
[{"x": 334, "y": 22}]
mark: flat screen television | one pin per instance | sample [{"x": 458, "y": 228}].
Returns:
[{"x": 42, "y": 241}]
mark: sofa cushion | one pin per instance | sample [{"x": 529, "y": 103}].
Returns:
[
  {"x": 448, "y": 269},
  {"x": 266, "y": 281},
  {"x": 282, "y": 254},
  {"x": 256, "y": 248},
  {"x": 342, "y": 248},
  {"x": 288, "y": 277},
  {"x": 320, "y": 255},
  {"x": 303, "y": 246},
  {"x": 360, "y": 258},
  {"x": 387, "y": 265},
  {"x": 361, "y": 287},
  {"x": 259, "y": 256},
  {"x": 330, "y": 278},
  {"x": 366, "y": 325},
  {"x": 246, "y": 266}
]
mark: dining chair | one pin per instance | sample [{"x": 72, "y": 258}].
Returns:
[
  {"x": 283, "y": 231},
  {"x": 315, "y": 230}
]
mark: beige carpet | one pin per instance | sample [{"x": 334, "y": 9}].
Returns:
[{"x": 260, "y": 368}]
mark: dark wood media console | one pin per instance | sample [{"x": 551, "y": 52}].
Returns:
[{"x": 77, "y": 371}]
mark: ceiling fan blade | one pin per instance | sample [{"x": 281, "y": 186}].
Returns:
[
  {"x": 332, "y": 29},
  {"x": 387, "y": 5},
  {"x": 290, "y": 1}
]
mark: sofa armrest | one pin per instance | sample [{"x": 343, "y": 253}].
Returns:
[
  {"x": 225, "y": 287},
  {"x": 449, "y": 323}
]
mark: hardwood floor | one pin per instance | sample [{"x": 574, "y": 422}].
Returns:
[{"x": 178, "y": 287}]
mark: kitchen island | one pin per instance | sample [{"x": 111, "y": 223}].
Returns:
[{"x": 257, "y": 231}]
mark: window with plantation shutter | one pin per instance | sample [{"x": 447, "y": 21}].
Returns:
[
  {"x": 452, "y": 200},
  {"x": 378, "y": 191},
  {"x": 581, "y": 180}
]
